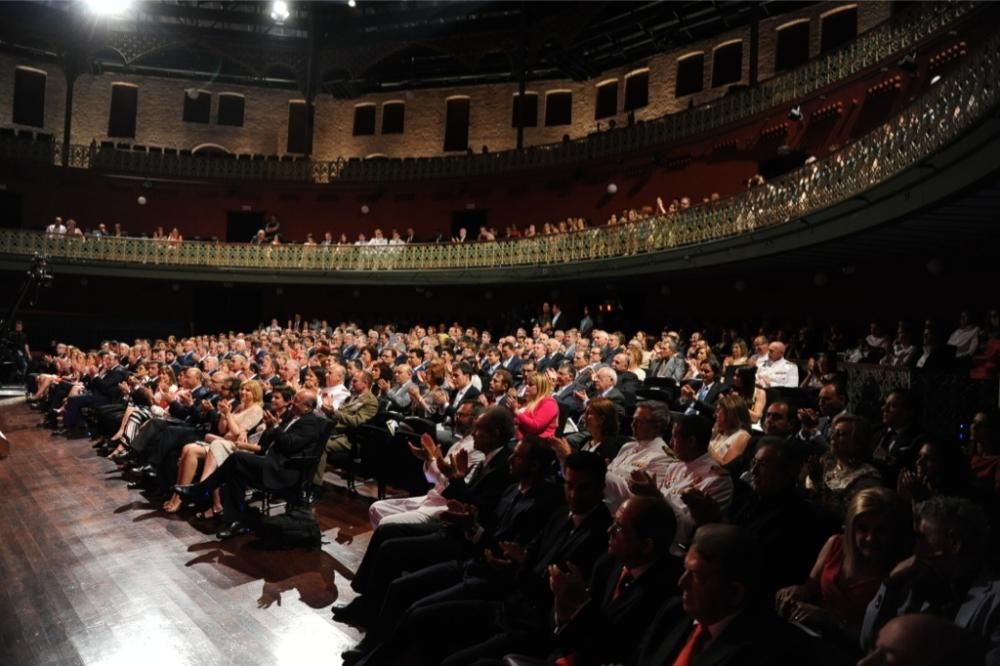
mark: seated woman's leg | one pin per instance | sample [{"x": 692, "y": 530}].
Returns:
[
  {"x": 187, "y": 467},
  {"x": 206, "y": 471}
]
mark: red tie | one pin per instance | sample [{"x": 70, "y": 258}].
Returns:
[
  {"x": 623, "y": 582},
  {"x": 693, "y": 646}
]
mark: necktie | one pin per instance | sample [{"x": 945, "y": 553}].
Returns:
[
  {"x": 693, "y": 646},
  {"x": 624, "y": 580}
]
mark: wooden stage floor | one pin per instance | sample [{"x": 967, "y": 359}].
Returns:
[{"x": 93, "y": 573}]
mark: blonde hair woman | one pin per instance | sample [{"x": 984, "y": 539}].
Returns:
[
  {"x": 851, "y": 566},
  {"x": 540, "y": 413},
  {"x": 731, "y": 432},
  {"x": 234, "y": 427}
]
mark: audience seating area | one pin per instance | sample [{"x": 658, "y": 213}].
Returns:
[{"x": 765, "y": 448}]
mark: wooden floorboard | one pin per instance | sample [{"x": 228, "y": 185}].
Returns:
[{"x": 94, "y": 573}]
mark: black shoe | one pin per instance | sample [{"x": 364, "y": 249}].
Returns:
[
  {"x": 194, "y": 491},
  {"x": 353, "y": 613},
  {"x": 353, "y": 656},
  {"x": 314, "y": 495},
  {"x": 236, "y": 528}
]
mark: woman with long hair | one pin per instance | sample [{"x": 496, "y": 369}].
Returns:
[
  {"x": 233, "y": 434},
  {"x": 755, "y": 397},
  {"x": 851, "y": 566},
  {"x": 600, "y": 435},
  {"x": 731, "y": 432},
  {"x": 540, "y": 413}
]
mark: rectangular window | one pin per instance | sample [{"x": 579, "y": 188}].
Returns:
[
  {"x": 607, "y": 100},
  {"x": 558, "y": 108},
  {"x": 393, "y": 115},
  {"x": 124, "y": 105},
  {"x": 456, "y": 124},
  {"x": 364, "y": 120},
  {"x": 793, "y": 46},
  {"x": 690, "y": 75},
  {"x": 530, "y": 102},
  {"x": 727, "y": 64},
  {"x": 298, "y": 119},
  {"x": 29, "y": 97},
  {"x": 636, "y": 90},
  {"x": 197, "y": 106},
  {"x": 838, "y": 28},
  {"x": 231, "y": 109}
]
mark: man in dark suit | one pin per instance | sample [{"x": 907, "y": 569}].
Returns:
[
  {"x": 511, "y": 361},
  {"x": 519, "y": 516},
  {"x": 102, "y": 388},
  {"x": 552, "y": 357},
  {"x": 565, "y": 393},
  {"x": 605, "y": 380},
  {"x": 512, "y": 600},
  {"x": 462, "y": 387},
  {"x": 722, "y": 618},
  {"x": 300, "y": 435},
  {"x": 628, "y": 382},
  {"x": 895, "y": 446},
  {"x": 603, "y": 623},
  {"x": 399, "y": 547}
]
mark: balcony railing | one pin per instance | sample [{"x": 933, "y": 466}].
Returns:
[
  {"x": 931, "y": 122},
  {"x": 892, "y": 38}
]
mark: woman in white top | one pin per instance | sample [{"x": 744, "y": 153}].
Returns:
[
  {"x": 965, "y": 339},
  {"x": 731, "y": 432}
]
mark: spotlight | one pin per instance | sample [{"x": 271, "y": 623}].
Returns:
[
  {"x": 612, "y": 188},
  {"x": 352, "y": 3},
  {"x": 795, "y": 114},
  {"x": 279, "y": 11},
  {"x": 935, "y": 79},
  {"x": 107, "y": 7}
]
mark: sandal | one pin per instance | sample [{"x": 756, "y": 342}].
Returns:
[{"x": 172, "y": 505}]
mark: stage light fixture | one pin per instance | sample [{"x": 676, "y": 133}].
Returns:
[
  {"x": 795, "y": 114},
  {"x": 107, "y": 7},
  {"x": 352, "y": 3},
  {"x": 279, "y": 11},
  {"x": 935, "y": 79}
]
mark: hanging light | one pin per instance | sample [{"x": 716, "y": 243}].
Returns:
[
  {"x": 107, "y": 7},
  {"x": 279, "y": 11}
]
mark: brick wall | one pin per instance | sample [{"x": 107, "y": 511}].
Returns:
[{"x": 265, "y": 127}]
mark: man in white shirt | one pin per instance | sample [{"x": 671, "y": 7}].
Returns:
[
  {"x": 424, "y": 510},
  {"x": 776, "y": 370},
  {"x": 648, "y": 452},
  {"x": 695, "y": 472},
  {"x": 57, "y": 228},
  {"x": 334, "y": 394}
]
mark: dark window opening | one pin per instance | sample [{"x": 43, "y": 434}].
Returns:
[
  {"x": 690, "y": 75},
  {"x": 838, "y": 29},
  {"x": 29, "y": 98},
  {"x": 607, "y": 100},
  {"x": 793, "y": 46},
  {"x": 530, "y": 103},
  {"x": 197, "y": 106},
  {"x": 124, "y": 105},
  {"x": 364, "y": 120},
  {"x": 456, "y": 124},
  {"x": 298, "y": 119},
  {"x": 393, "y": 114},
  {"x": 231, "y": 109},
  {"x": 637, "y": 91},
  {"x": 558, "y": 109},
  {"x": 727, "y": 64}
]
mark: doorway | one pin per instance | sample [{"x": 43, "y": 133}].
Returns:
[{"x": 242, "y": 225}]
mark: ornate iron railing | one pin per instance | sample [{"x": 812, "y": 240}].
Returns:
[
  {"x": 931, "y": 122},
  {"x": 889, "y": 39}
]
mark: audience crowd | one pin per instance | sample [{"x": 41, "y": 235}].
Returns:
[{"x": 582, "y": 496}]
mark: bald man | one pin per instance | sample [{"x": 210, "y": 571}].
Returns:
[
  {"x": 923, "y": 640},
  {"x": 776, "y": 370}
]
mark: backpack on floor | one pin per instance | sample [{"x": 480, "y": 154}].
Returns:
[{"x": 296, "y": 528}]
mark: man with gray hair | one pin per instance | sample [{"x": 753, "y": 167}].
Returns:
[
  {"x": 947, "y": 575},
  {"x": 667, "y": 364},
  {"x": 647, "y": 452}
]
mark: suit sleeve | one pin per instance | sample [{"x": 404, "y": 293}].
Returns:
[
  {"x": 298, "y": 439},
  {"x": 364, "y": 414}
]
